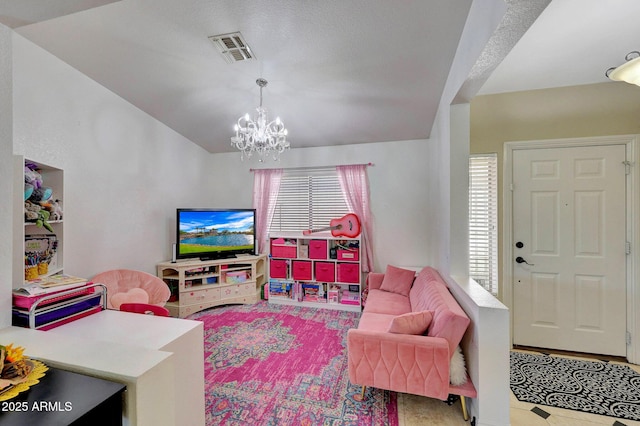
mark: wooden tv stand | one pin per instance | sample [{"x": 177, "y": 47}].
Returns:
[{"x": 202, "y": 284}]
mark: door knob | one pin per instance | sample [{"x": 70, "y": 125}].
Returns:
[{"x": 520, "y": 259}]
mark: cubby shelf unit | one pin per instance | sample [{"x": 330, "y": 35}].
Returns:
[{"x": 317, "y": 270}]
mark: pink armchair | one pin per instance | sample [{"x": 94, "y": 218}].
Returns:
[{"x": 130, "y": 286}]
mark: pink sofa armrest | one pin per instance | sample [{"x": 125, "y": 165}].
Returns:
[
  {"x": 374, "y": 280},
  {"x": 399, "y": 362}
]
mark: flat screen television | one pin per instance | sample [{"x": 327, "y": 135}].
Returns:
[{"x": 215, "y": 233}]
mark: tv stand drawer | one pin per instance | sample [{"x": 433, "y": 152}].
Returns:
[
  {"x": 200, "y": 295},
  {"x": 237, "y": 290}
]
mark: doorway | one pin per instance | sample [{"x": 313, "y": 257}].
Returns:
[{"x": 568, "y": 231}]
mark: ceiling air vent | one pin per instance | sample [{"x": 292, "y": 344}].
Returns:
[{"x": 232, "y": 47}]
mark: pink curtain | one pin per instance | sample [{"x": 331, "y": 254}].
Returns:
[
  {"x": 266, "y": 183},
  {"x": 355, "y": 186}
]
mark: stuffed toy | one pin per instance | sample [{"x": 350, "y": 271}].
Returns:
[
  {"x": 32, "y": 180},
  {"x": 32, "y": 176},
  {"x": 31, "y": 211},
  {"x": 56, "y": 210},
  {"x": 33, "y": 189},
  {"x": 35, "y": 213},
  {"x": 40, "y": 194}
]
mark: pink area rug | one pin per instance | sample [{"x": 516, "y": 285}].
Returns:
[{"x": 284, "y": 365}]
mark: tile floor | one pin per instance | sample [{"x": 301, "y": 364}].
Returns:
[{"x": 418, "y": 411}]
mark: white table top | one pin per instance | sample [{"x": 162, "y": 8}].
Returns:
[
  {"x": 146, "y": 331},
  {"x": 108, "y": 359}
]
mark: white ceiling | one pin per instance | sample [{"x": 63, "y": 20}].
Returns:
[
  {"x": 573, "y": 42},
  {"x": 339, "y": 72}
]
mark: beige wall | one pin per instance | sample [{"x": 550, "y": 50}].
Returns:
[{"x": 569, "y": 112}]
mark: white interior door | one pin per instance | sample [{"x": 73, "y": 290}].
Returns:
[{"x": 569, "y": 254}]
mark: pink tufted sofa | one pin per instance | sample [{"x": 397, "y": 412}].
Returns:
[{"x": 407, "y": 335}]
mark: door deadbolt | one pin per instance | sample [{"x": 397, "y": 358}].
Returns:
[{"x": 519, "y": 244}]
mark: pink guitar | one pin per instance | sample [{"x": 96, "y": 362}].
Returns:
[{"x": 347, "y": 226}]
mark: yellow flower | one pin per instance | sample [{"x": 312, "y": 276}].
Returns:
[{"x": 13, "y": 354}]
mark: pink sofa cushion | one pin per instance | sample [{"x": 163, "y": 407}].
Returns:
[
  {"x": 449, "y": 320},
  {"x": 411, "y": 323},
  {"x": 372, "y": 321},
  {"x": 384, "y": 302},
  {"x": 397, "y": 280}
]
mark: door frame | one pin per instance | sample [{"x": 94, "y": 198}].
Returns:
[{"x": 632, "y": 145}]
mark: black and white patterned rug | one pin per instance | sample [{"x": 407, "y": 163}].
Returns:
[{"x": 590, "y": 386}]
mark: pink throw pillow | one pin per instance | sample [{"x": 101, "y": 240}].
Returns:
[
  {"x": 397, "y": 280},
  {"x": 134, "y": 295},
  {"x": 411, "y": 323}
]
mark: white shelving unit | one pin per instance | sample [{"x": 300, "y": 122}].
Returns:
[
  {"x": 317, "y": 270},
  {"x": 53, "y": 178}
]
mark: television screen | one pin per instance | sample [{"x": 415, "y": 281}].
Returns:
[{"x": 215, "y": 233}]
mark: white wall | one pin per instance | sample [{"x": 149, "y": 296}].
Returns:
[
  {"x": 399, "y": 185},
  {"x": 125, "y": 173},
  {"x": 6, "y": 174},
  {"x": 486, "y": 341}
]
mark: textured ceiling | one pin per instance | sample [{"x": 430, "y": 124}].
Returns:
[
  {"x": 519, "y": 17},
  {"x": 339, "y": 72}
]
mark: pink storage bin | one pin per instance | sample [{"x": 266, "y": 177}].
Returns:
[
  {"x": 325, "y": 271},
  {"x": 279, "y": 248},
  {"x": 278, "y": 268},
  {"x": 301, "y": 270},
  {"x": 348, "y": 273},
  {"x": 318, "y": 249},
  {"x": 353, "y": 254}
]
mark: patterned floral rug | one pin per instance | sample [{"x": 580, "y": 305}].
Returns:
[
  {"x": 590, "y": 386},
  {"x": 284, "y": 365}
]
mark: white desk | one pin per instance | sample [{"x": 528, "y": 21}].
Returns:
[
  {"x": 161, "y": 360},
  {"x": 180, "y": 337},
  {"x": 143, "y": 371}
]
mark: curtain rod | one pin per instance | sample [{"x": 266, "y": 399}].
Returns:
[{"x": 311, "y": 168}]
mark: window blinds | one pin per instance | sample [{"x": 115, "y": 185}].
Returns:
[
  {"x": 308, "y": 199},
  {"x": 483, "y": 220}
]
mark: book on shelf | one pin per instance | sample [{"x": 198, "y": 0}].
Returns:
[
  {"x": 281, "y": 289},
  {"x": 50, "y": 284},
  {"x": 350, "y": 298}
]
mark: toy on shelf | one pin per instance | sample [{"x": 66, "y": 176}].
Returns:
[
  {"x": 40, "y": 250},
  {"x": 38, "y": 206}
]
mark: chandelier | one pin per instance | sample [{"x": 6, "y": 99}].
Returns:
[{"x": 260, "y": 135}]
